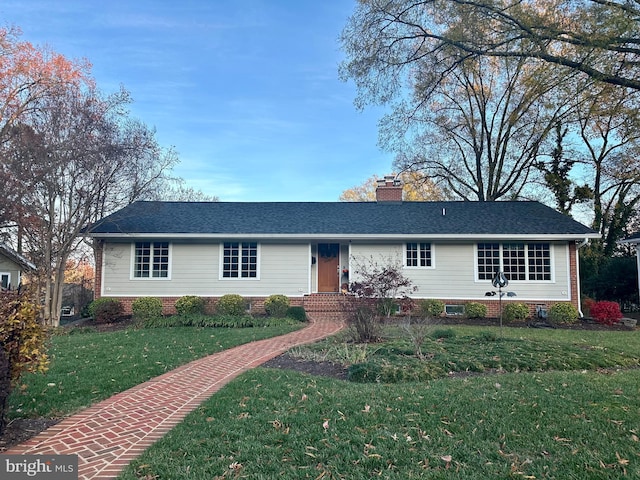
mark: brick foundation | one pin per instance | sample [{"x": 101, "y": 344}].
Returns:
[{"x": 332, "y": 307}]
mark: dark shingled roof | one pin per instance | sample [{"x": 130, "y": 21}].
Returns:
[{"x": 339, "y": 218}]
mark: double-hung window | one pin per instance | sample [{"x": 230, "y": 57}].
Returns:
[
  {"x": 518, "y": 261},
  {"x": 418, "y": 255},
  {"x": 151, "y": 260},
  {"x": 240, "y": 260}
]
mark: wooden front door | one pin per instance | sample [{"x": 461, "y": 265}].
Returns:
[{"x": 328, "y": 268}]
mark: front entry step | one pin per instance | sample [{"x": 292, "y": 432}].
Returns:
[{"x": 325, "y": 306}]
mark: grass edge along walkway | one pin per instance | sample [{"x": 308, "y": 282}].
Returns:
[{"x": 111, "y": 433}]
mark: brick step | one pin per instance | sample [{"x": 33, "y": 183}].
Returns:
[{"x": 323, "y": 303}]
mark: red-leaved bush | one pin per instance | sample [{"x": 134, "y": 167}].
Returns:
[{"x": 606, "y": 313}]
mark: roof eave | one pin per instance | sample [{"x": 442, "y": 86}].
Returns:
[{"x": 345, "y": 236}]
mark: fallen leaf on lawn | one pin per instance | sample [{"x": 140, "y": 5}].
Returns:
[
  {"x": 446, "y": 458},
  {"x": 622, "y": 461},
  {"x": 635, "y": 438},
  {"x": 367, "y": 408},
  {"x": 560, "y": 439},
  {"x": 325, "y": 425}
]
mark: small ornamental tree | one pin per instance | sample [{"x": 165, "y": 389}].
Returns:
[
  {"x": 378, "y": 285},
  {"x": 382, "y": 281},
  {"x": 22, "y": 341},
  {"x": 606, "y": 313}
]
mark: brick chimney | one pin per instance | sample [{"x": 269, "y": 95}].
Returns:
[{"x": 389, "y": 189}]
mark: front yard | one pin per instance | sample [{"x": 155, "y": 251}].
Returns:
[
  {"x": 516, "y": 403},
  {"x": 482, "y": 402}
]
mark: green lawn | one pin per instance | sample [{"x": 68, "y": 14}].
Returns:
[
  {"x": 88, "y": 367},
  {"x": 570, "y": 424}
]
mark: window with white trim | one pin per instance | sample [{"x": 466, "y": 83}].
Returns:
[
  {"x": 240, "y": 260},
  {"x": 5, "y": 280},
  {"x": 513, "y": 261},
  {"x": 539, "y": 257},
  {"x": 151, "y": 260},
  {"x": 518, "y": 261},
  {"x": 418, "y": 255},
  {"x": 488, "y": 260}
]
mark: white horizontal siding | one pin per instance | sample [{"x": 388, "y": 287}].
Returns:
[
  {"x": 195, "y": 270},
  {"x": 453, "y": 275},
  {"x": 286, "y": 269}
]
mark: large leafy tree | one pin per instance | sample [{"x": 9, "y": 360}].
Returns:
[
  {"x": 608, "y": 123},
  {"x": 596, "y": 38},
  {"x": 474, "y": 125},
  {"x": 69, "y": 155},
  {"x": 417, "y": 188},
  {"x": 478, "y": 88},
  {"x": 82, "y": 157},
  {"x": 28, "y": 75}
]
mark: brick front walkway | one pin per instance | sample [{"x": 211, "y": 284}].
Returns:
[{"x": 108, "y": 435}]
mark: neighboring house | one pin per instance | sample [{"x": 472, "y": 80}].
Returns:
[
  {"x": 12, "y": 266},
  {"x": 450, "y": 250}
]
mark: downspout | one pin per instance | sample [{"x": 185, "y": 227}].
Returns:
[{"x": 578, "y": 247}]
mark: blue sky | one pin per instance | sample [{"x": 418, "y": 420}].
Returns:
[{"x": 246, "y": 91}]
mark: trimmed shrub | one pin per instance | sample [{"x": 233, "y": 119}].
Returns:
[
  {"x": 231, "y": 304},
  {"x": 22, "y": 336},
  {"x": 475, "y": 310},
  {"x": 106, "y": 310},
  {"x": 430, "y": 308},
  {"x": 563, "y": 313},
  {"x": 146, "y": 308},
  {"x": 94, "y": 305},
  {"x": 297, "y": 313},
  {"x": 276, "y": 305},
  {"x": 606, "y": 313},
  {"x": 5, "y": 387},
  {"x": 515, "y": 311},
  {"x": 190, "y": 305}
]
